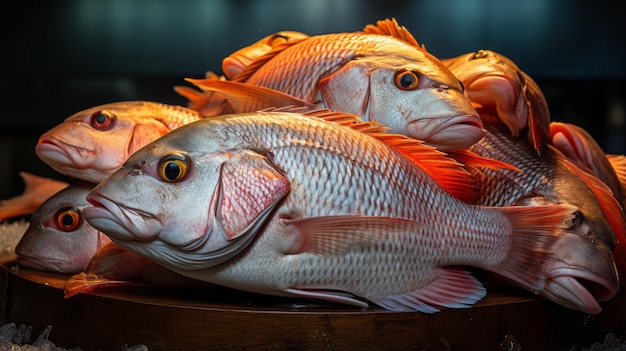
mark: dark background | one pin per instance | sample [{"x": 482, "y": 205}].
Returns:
[{"x": 59, "y": 57}]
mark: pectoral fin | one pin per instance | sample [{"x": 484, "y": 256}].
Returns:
[{"x": 336, "y": 235}]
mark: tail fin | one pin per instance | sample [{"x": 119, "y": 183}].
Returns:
[{"x": 535, "y": 230}]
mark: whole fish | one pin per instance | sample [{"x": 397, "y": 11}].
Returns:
[
  {"x": 58, "y": 238},
  {"x": 581, "y": 269},
  {"x": 93, "y": 143},
  {"x": 376, "y": 76},
  {"x": 285, "y": 204},
  {"x": 501, "y": 92},
  {"x": 36, "y": 191}
]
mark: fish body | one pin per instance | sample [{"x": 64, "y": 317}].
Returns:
[
  {"x": 583, "y": 258},
  {"x": 501, "y": 92},
  {"x": 93, "y": 143},
  {"x": 286, "y": 204},
  {"x": 375, "y": 76},
  {"x": 58, "y": 238}
]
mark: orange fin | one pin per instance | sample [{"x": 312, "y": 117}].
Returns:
[
  {"x": 262, "y": 60},
  {"x": 247, "y": 97},
  {"x": 618, "y": 162},
  {"x": 392, "y": 28},
  {"x": 452, "y": 289},
  {"x": 535, "y": 230},
  {"x": 474, "y": 161},
  {"x": 83, "y": 283},
  {"x": 36, "y": 191},
  {"x": 337, "y": 235}
]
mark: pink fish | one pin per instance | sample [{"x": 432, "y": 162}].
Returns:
[
  {"x": 285, "y": 204},
  {"x": 58, "y": 239},
  {"x": 95, "y": 142},
  {"x": 374, "y": 75}
]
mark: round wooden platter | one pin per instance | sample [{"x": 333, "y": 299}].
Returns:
[{"x": 215, "y": 318}]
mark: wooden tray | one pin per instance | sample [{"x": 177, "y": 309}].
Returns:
[{"x": 224, "y": 319}]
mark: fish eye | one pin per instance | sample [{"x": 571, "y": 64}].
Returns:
[
  {"x": 173, "y": 168},
  {"x": 576, "y": 221},
  {"x": 68, "y": 219},
  {"x": 406, "y": 80},
  {"x": 102, "y": 120}
]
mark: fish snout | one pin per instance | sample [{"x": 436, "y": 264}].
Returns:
[{"x": 448, "y": 133}]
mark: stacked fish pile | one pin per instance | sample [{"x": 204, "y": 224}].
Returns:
[{"x": 355, "y": 168}]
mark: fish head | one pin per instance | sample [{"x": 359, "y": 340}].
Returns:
[
  {"x": 421, "y": 98},
  {"x": 58, "y": 239},
  {"x": 236, "y": 62},
  {"x": 186, "y": 200},
  {"x": 93, "y": 143},
  {"x": 501, "y": 92},
  {"x": 580, "y": 271}
]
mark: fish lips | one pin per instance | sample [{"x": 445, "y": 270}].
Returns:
[
  {"x": 448, "y": 133},
  {"x": 579, "y": 289},
  {"x": 120, "y": 222}
]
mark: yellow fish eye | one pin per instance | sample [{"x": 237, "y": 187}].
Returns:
[
  {"x": 406, "y": 79},
  {"x": 173, "y": 168},
  {"x": 68, "y": 219}
]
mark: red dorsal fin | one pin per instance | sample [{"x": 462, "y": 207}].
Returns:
[
  {"x": 392, "y": 28},
  {"x": 261, "y": 60},
  {"x": 449, "y": 173}
]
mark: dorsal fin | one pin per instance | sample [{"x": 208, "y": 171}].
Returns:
[
  {"x": 618, "y": 162},
  {"x": 262, "y": 60},
  {"x": 449, "y": 173},
  {"x": 392, "y": 28}
]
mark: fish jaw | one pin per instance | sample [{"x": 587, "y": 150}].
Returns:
[
  {"x": 120, "y": 222},
  {"x": 446, "y": 120},
  {"x": 579, "y": 273}
]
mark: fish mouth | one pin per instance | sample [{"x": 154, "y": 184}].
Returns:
[
  {"x": 40, "y": 264},
  {"x": 120, "y": 222},
  {"x": 448, "y": 133},
  {"x": 53, "y": 149},
  {"x": 579, "y": 289}
]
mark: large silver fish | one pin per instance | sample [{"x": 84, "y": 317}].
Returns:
[
  {"x": 58, "y": 238},
  {"x": 93, "y": 143},
  {"x": 581, "y": 269},
  {"x": 286, "y": 204}
]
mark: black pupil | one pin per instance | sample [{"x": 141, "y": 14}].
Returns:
[
  {"x": 172, "y": 170},
  {"x": 67, "y": 220},
  {"x": 100, "y": 118},
  {"x": 406, "y": 80}
]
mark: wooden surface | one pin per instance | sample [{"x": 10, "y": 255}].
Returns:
[{"x": 224, "y": 319}]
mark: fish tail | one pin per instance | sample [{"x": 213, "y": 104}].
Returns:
[{"x": 535, "y": 230}]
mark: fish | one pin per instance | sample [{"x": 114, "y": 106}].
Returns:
[
  {"x": 581, "y": 269},
  {"x": 36, "y": 191},
  {"x": 376, "y": 76},
  {"x": 580, "y": 147},
  {"x": 318, "y": 205},
  {"x": 93, "y": 143},
  {"x": 501, "y": 92},
  {"x": 58, "y": 238}
]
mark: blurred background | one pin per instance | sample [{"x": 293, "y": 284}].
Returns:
[{"x": 62, "y": 56}]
